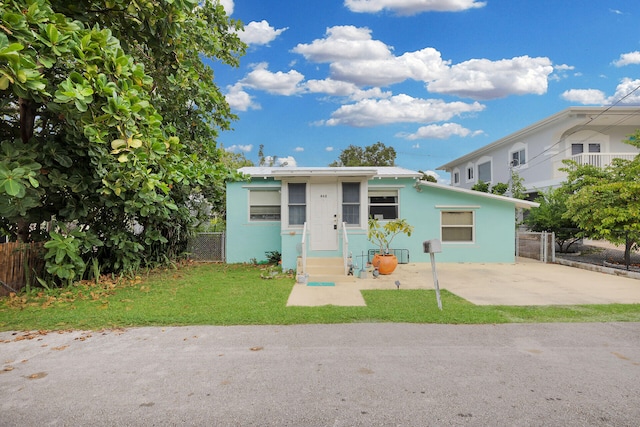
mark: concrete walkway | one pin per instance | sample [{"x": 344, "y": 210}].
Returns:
[{"x": 526, "y": 282}]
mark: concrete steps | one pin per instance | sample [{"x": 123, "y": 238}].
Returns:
[{"x": 326, "y": 270}]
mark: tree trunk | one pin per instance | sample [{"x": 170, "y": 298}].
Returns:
[{"x": 27, "y": 119}]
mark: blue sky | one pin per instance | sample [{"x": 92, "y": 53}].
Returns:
[{"x": 435, "y": 79}]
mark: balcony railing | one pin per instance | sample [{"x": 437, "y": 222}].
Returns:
[{"x": 600, "y": 160}]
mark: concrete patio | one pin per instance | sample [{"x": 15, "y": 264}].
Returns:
[{"x": 525, "y": 283}]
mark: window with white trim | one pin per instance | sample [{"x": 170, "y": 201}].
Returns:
[
  {"x": 518, "y": 158},
  {"x": 383, "y": 203},
  {"x": 457, "y": 226},
  {"x": 470, "y": 173},
  {"x": 351, "y": 203},
  {"x": 297, "y": 203},
  {"x": 456, "y": 177},
  {"x": 484, "y": 172},
  {"x": 264, "y": 205}
]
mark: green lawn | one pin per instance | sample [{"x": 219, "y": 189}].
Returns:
[{"x": 218, "y": 294}]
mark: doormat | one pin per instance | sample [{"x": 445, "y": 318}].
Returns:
[{"x": 321, "y": 284}]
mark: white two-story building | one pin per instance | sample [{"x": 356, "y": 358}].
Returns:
[{"x": 592, "y": 135}]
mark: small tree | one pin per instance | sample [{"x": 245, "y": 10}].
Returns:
[{"x": 549, "y": 217}]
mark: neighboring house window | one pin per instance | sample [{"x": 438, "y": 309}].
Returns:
[
  {"x": 383, "y": 204},
  {"x": 518, "y": 158},
  {"x": 264, "y": 205},
  {"x": 484, "y": 172},
  {"x": 297, "y": 204},
  {"x": 456, "y": 177},
  {"x": 457, "y": 226},
  {"x": 470, "y": 173},
  {"x": 578, "y": 148},
  {"x": 351, "y": 203}
]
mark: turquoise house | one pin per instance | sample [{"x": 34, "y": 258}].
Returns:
[{"x": 323, "y": 212}]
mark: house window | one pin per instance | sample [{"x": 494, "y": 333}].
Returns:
[
  {"x": 484, "y": 172},
  {"x": 351, "y": 203},
  {"x": 578, "y": 148},
  {"x": 383, "y": 204},
  {"x": 264, "y": 205},
  {"x": 456, "y": 177},
  {"x": 518, "y": 158},
  {"x": 457, "y": 226},
  {"x": 297, "y": 204},
  {"x": 470, "y": 173}
]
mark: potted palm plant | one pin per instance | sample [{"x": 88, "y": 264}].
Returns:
[{"x": 382, "y": 235}]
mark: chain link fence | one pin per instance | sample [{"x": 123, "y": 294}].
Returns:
[
  {"x": 540, "y": 246},
  {"x": 207, "y": 246}
]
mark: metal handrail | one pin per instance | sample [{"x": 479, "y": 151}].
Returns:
[
  {"x": 304, "y": 248},
  {"x": 345, "y": 248},
  {"x": 600, "y": 160}
]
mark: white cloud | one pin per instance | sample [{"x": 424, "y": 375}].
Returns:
[
  {"x": 259, "y": 33},
  {"x": 240, "y": 100},
  {"x": 627, "y": 92},
  {"x": 346, "y": 89},
  {"x": 584, "y": 96},
  {"x": 356, "y": 58},
  {"x": 399, "y": 109},
  {"x": 412, "y": 7},
  {"x": 423, "y": 65},
  {"x": 278, "y": 83},
  {"x": 286, "y": 161},
  {"x": 329, "y": 149},
  {"x": 628, "y": 59},
  {"x": 227, "y": 5},
  {"x": 299, "y": 149},
  {"x": 344, "y": 43},
  {"x": 444, "y": 131},
  {"x": 242, "y": 148},
  {"x": 484, "y": 79}
]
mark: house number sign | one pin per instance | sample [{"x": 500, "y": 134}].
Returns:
[{"x": 323, "y": 196}]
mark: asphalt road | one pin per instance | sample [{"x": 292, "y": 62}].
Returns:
[{"x": 325, "y": 375}]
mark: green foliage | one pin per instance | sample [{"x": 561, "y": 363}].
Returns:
[
  {"x": 377, "y": 154},
  {"x": 549, "y": 216},
  {"x": 605, "y": 202},
  {"x": 481, "y": 186},
  {"x": 516, "y": 190},
  {"x": 110, "y": 118},
  {"x": 274, "y": 257},
  {"x": 427, "y": 177},
  {"x": 382, "y": 234}
]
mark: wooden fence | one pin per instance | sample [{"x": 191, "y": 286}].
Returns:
[{"x": 20, "y": 264}]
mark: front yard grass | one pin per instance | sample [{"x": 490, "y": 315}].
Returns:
[{"x": 220, "y": 294}]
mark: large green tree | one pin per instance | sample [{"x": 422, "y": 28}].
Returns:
[
  {"x": 377, "y": 154},
  {"x": 605, "y": 202},
  {"x": 110, "y": 118}
]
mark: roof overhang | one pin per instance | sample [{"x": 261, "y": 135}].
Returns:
[
  {"x": 323, "y": 172},
  {"x": 518, "y": 203}
]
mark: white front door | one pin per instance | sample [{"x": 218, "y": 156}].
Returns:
[{"x": 323, "y": 216}]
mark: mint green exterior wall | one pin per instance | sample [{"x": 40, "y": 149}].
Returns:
[
  {"x": 494, "y": 227},
  {"x": 248, "y": 240}
]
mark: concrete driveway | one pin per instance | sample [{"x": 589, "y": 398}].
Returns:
[{"x": 527, "y": 282}]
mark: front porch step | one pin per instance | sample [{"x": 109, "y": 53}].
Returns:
[{"x": 326, "y": 270}]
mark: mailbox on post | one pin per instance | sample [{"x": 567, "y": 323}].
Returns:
[{"x": 432, "y": 247}]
